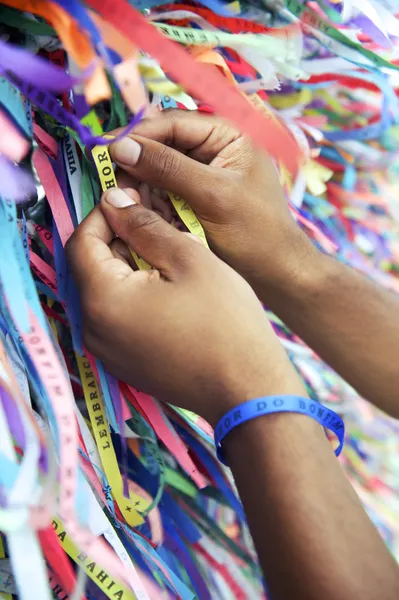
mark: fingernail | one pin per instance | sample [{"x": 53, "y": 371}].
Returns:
[
  {"x": 126, "y": 152},
  {"x": 118, "y": 198}
]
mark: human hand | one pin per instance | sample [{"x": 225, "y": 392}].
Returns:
[
  {"x": 232, "y": 186},
  {"x": 190, "y": 332}
]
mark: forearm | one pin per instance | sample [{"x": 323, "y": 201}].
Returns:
[
  {"x": 352, "y": 323},
  {"x": 313, "y": 538}
]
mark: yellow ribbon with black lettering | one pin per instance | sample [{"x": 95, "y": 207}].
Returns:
[
  {"x": 103, "y": 162},
  {"x": 269, "y": 45},
  {"x": 107, "y": 584},
  {"x": 102, "y": 435},
  {"x": 156, "y": 80},
  {"x": 106, "y": 174},
  {"x": 188, "y": 217}
]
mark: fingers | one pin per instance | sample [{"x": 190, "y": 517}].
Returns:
[
  {"x": 89, "y": 255},
  {"x": 126, "y": 181},
  {"x": 184, "y": 130},
  {"x": 133, "y": 194},
  {"x": 121, "y": 251},
  {"x": 201, "y": 136},
  {"x": 154, "y": 199},
  {"x": 162, "y": 206},
  {"x": 164, "y": 167},
  {"x": 145, "y": 195},
  {"x": 147, "y": 233}
]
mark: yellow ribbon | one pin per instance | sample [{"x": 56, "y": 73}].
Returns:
[
  {"x": 98, "y": 573},
  {"x": 106, "y": 173},
  {"x": 102, "y": 435}
]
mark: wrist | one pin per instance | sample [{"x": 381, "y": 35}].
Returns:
[
  {"x": 270, "y": 432},
  {"x": 296, "y": 271},
  {"x": 281, "y": 380}
]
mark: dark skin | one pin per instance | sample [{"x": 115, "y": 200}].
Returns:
[
  {"x": 193, "y": 333},
  {"x": 351, "y": 322}
]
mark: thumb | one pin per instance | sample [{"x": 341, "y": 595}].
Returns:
[
  {"x": 164, "y": 167},
  {"x": 151, "y": 237}
]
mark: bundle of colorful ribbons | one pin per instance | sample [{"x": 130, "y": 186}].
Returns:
[{"x": 123, "y": 497}]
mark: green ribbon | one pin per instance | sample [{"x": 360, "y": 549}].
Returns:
[
  {"x": 15, "y": 18},
  {"x": 310, "y": 17}
]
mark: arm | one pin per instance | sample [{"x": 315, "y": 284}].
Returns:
[
  {"x": 313, "y": 538},
  {"x": 350, "y": 322}
]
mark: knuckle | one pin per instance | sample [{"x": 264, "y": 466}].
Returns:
[
  {"x": 142, "y": 218},
  {"x": 224, "y": 193},
  {"x": 246, "y": 154},
  {"x": 165, "y": 164},
  {"x": 170, "y": 113},
  {"x": 172, "y": 116}
]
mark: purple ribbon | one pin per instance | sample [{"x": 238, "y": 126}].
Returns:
[
  {"x": 37, "y": 70},
  {"x": 13, "y": 419},
  {"x": 50, "y": 105},
  {"x": 372, "y": 30},
  {"x": 17, "y": 429}
]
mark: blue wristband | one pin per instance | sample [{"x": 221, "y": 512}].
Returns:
[{"x": 273, "y": 404}]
